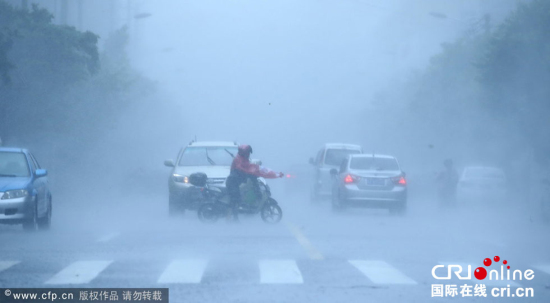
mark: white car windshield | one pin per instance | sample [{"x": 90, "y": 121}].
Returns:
[
  {"x": 336, "y": 156},
  {"x": 373, "y": 163},
  {"x": 13, "y": 165},
  {"x": 208, "y": 156}
]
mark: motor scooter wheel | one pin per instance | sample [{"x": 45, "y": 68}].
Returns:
[
  {"x": 208, "y": 213},
  {"x": 271, "y": 212}
]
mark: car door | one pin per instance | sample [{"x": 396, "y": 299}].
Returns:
[
  {"x": 318, "y": 164},
  {"x": 40, "y": 185},
  {"x": 324, "y": 172}
]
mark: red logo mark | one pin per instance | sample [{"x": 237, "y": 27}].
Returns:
[{"x": 481, "y": 273}]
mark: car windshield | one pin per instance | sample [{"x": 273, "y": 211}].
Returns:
[
  {"x": 373, "y": 163},
  {"x": 484, "y": 172},
  {"x": 336, "y": 156},
  {"x": 207, "y": 156},
  {"x": 13, "y": 165}
]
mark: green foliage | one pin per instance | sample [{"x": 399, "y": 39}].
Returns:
[
  {"x": 487, "y": 94},
  {"x": 515, "y": 71},
  {"x": 59, "y": 85},
  {"x": 41, "y": 50},
  {"x": 5, "y": 65}
]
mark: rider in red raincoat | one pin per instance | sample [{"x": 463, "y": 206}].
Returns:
[{"x": 241, "y": 170}]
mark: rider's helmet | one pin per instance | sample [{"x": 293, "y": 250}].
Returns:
[{"x": 245, "y": 150}]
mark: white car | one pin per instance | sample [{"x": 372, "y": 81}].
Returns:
[
  {"x": 328, "y": 157},
  {"x": 481, "y": 183},
  {"x": 212, "y": 158}
]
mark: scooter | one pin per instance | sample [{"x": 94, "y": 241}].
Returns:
[{"x": 217, "y": 204}]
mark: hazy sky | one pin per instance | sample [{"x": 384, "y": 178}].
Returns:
[{"x": 287, "y": 73}]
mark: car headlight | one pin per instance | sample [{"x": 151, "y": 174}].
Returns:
[
  {"x": 13, "y": 194},
  {"x": 180, "y": 178}
]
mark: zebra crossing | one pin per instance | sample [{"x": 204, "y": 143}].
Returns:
[
  {"x": 7, "y": 264},
  {"x": 184, "y": 271},
  {"x": 80, "y": 272},
  {"x": 279, "y": 272},
  {"x": 381, "y": 272}
]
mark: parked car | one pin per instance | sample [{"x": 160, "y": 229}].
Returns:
[
  {"x": 374, "y": 181},
  {"x": 25, "y": 196},
  {"x": 212, "y": 158},
  {"x": 482, "y": 183},
  {"x": 328, "y": 157}
]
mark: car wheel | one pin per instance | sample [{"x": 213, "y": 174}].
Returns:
[
  {"x": 45, "y": 222},
  {"x": 31, "y": 224},
  {"x": 175, "y": 205}
]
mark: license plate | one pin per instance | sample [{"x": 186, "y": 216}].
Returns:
[{"x": 376, "y": 182}]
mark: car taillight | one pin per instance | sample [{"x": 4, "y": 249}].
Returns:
[
  {"x": 399, "y": 180},
  {"x": 350, "y": 179}
]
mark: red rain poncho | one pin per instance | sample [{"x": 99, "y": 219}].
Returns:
[{"x": 242, "y": 163}]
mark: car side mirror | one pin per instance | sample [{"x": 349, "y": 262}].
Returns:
[
  {"x": 256, "y": 161},
  {"x": 41, "y": 173},
  {"x": 311, "y": 161},
  {"x": 333, "y": 172},
  {"x": 169, "y": 163}
]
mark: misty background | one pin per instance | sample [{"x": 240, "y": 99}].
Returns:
[{"x": 107, "y": 90}]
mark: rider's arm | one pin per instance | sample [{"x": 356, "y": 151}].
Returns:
[
  {"x": 254, "y": 169},
  {"x": 248, "y": 168}
]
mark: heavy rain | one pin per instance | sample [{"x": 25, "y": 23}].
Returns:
[{"x": 275, "y": 151}]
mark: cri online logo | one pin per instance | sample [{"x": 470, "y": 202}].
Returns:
[{"x": 481, "y": 273}]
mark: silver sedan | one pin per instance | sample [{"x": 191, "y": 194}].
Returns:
[{"x": 374, "y": 181}]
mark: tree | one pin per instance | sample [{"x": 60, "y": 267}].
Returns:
[{"x": 515, "y": 72}]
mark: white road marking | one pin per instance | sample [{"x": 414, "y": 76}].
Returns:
[
  {"x": 280, "y": 272},
  {"x": 7, "y": 264},
  {"x": 184, "y": 271},
  {"x": 543, "y": 268},
  {"x": 108, "y": 237},
  {"x": 381, "y": 272},
  {"x": 487, "y": 281},
  {"x": 80, "y": 272}
]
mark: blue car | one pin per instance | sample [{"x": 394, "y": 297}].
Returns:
[{"x": 25, "y": 197}]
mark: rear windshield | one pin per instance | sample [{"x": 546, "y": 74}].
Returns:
[
  {"x": 484, "y": 172},
  {"x": 13, "y": 165},
  {"x": 336, "y": 156},
  {"x": 374, "y": 163},
  {"x": 208, "y": 156}
]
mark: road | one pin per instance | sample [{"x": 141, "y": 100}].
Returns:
[{"x": 314, "y": 255}]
